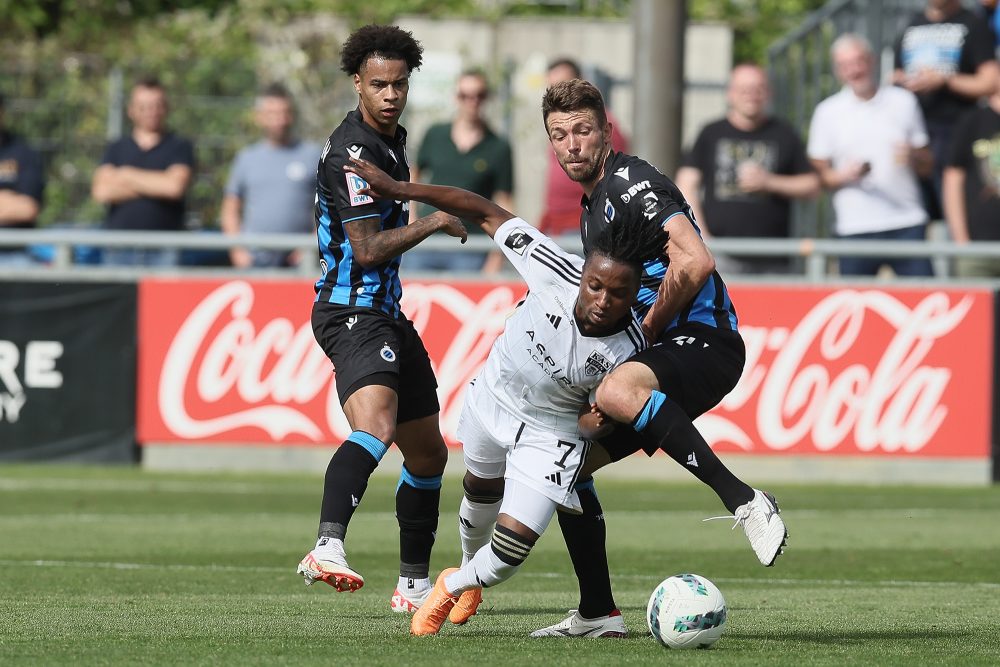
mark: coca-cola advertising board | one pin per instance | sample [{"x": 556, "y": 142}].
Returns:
[{"x": 845, "y": 371}]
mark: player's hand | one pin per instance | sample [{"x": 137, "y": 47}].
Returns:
[
  {"x": 449, "y": 224},
  {"x": 380, "y": 184},
  {"x": 592, "y": 423}
]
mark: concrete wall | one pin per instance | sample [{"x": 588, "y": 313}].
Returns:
[{"x": 518, "y": 49}]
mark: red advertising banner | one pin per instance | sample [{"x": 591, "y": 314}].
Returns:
[{"x": 902, "y": 372}]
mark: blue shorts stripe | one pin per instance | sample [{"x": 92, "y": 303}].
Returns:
[
  {"x": 375, "y": 447},
  {"x": 425, "y": 483},
  {"x": 656, "y": 399}
]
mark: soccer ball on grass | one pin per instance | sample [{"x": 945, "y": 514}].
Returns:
[{"x": 686, "y": 611}]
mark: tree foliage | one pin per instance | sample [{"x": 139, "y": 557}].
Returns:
[{"x": 756, "y": 24}]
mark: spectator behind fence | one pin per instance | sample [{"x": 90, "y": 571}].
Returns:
[
  {"x": 272, "y": 184},
  {"x": 21, "y": 187},
  {"x": 988, "y": 10},
  {"x": 467, "y": 154},
  {"x": 743, "y": 172},
  {"x": 561, "y": 210},
  {"x": 972, "y": 185},
  {"x": 144, "y": 176},
  {"x": 946, "y": 57},
  {"x": 868, "y": 145}
]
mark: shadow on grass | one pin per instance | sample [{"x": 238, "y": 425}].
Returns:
[{"x": 851, "y": 636}]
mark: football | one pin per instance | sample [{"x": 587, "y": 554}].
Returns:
[{"x": 686, "y": 611}]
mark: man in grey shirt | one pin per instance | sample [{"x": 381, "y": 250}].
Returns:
[{"x": 272, "y": 184}]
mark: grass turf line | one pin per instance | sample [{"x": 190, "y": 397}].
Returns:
[{"x": 116, "y": 565}]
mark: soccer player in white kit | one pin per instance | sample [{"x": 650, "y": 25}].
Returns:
[{"x": 528, "y": 416}]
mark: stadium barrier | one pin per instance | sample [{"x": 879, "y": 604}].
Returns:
[
  {"x": 873, "y": 371},
  {"x": 67, "y": 371}
]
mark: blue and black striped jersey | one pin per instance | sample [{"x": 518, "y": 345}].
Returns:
[
  {"x": 338, "y": 203},
  {"x": 633, "y": 188}
]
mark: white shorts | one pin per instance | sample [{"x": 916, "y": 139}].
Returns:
[{"x": 497, "y": 443}]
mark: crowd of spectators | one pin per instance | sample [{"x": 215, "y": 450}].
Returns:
[{"x": 920, "y": 147}]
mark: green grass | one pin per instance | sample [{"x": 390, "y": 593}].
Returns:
[{"x": 119, "y": 566}]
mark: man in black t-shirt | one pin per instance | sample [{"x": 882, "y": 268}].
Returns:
[
  {"x": 946, "y": 57},
  {"x": 144, "y": 177},
  {"x": 971, "y": 187},
  {"x": 743, "y": 172},
  {"x": 21, "y": 186}
]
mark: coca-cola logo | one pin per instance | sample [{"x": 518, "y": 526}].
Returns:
[
  {"x": 275, "y": 368},
  {"x": 890, "y": 404},
  {"x": 849, "y": 371}
]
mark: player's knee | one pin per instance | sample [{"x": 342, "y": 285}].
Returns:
[
  {"x": 508, "y": 551},
  {"x": 485, "y": 491},
  {"x": 428, "y": 461},
  {"x": 620, "y": 396}
]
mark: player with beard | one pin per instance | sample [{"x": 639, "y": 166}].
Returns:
[{"x": 695, "y": 359}]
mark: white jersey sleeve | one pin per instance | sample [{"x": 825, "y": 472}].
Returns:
[{"x": 539, "y": 259}]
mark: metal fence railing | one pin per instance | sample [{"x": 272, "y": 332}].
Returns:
[{"x": 63, "y": 247}]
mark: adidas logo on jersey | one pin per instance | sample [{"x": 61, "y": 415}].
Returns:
[
  {"x": 554, "y": 319},
  {"x": 555, "y": 478}
]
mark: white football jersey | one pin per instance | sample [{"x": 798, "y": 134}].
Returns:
[{"x": 542, "y": 368}]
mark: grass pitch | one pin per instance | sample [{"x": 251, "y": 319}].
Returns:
[{"x": 119, "y": 566}]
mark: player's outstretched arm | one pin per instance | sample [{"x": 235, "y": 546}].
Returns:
[{"x": 455, "y": 201}]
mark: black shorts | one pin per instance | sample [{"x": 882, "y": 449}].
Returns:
[
  {"x": 369, "y": 347},
  {"x": 696, "y": 366}
]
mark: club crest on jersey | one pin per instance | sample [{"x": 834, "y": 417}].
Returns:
[
  {"x": 355, "y": 151},
  {"x": 354, "y": 186},
  {"x": 518, "y": 241},
  {"x": 622, "y": 173},
  {"x": 387, "y": 353},
  {"x": 596, "y": 364},
  {"x": 609, "y": 211}
]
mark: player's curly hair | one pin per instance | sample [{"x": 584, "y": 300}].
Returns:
[
  {"x": 629, "y": 244},
  {"x": 387, "y": 41},
  {"x": 573, "y": 95}
]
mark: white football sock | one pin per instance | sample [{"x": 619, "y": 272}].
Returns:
[{"x": 475, "y": 524}]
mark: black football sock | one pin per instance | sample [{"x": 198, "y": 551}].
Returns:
[
  {"x": 417, "y": 501},
  {"x": 585, "y": 536},
  {"x": 664, "y": 424},
  {"x": 346, "y": 481}
]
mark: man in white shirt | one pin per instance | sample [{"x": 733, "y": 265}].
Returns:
[
  {"x": 529, "y": 416},
  {"x": 869, "y": 144}
]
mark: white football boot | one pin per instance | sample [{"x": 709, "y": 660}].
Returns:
[
  {"x": 763, "y": 525},
  {"x": 610, "y": 626},
  {"x": 329, "y": 564}
]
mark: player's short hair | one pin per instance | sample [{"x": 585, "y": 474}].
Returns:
[
  {"x": 629, "y": 244},
  {"x": 574, "y": 95},
  {"x": 387, "y": 41},
  {"x": 565, "y": 62}
]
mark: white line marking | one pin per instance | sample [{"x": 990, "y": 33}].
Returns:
[{"x": 888, "y": 583}]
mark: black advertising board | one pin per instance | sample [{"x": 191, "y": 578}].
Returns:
[{"x": 67, "y": 372}]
